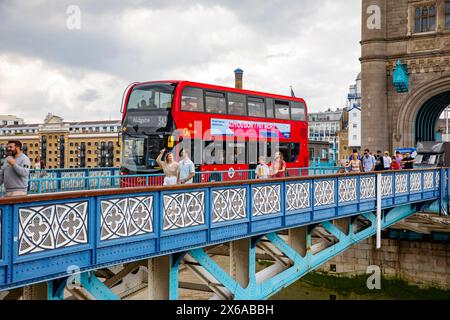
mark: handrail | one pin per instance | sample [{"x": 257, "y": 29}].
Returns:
[{"x": 131, "y": 190}]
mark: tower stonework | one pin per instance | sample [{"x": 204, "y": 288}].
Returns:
[{"x": 422, "y": 42}]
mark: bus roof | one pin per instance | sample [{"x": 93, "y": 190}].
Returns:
[{"x": 185, "y": 83}]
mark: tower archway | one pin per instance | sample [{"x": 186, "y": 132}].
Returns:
[
  {"x": 419, "y": 115},
  {"x": 426, "y": 124}
]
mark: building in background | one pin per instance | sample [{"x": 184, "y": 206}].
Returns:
[
  {"x": 61, "y": 144},
  {"x": 444, "y": 126},
  {"x": 319, "y": 150},
  {"x": 325, "y": 126},
  {"x": 10, "y": 120},
  {"x": 354, "y": 115}
]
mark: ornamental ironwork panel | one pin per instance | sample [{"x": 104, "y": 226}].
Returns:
[
  {"x": 266, "y": 200},
  {"x": 229, "y": 204},
  {"x": 52, "y": 227},
  {"x": 347, "y": 190},
  {"x": 99, "y": 179},
  {"x": 298, "y": 196},
  {"x": 438, "y": 179},
  {"x": 126, "y": 217},
  {"x": 415, "y": 184},
  {"x": 367, "y": 188},
  {"x": 324, "y": 192},
  {"x": 401, "y": 183},
  {"x": 75, "y": 180},
  {"x": 386, "y": 185},
  {"x": 183, "y": 210},
  {"x": 428, "y": 180}
]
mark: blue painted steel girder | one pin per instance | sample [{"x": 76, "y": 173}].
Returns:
[{"x": 300, "y": 265}]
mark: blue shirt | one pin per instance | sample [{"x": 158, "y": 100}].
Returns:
[
  {"x": 368, "y": 163},
  {"x": 185, "y": 168}
]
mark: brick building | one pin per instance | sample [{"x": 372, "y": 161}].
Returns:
[{"x": 63, "y": 144}]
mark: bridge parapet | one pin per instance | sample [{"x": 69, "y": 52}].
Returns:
[{"x": 48, "y": 236}]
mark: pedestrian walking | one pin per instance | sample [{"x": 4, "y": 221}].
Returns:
[
  {"x": 169, "y": 167},
  {"x": 355, "y": 164},
  {"x": 387, "y": 161},
  {"x": 399, "y": 157},
  {"x": 15, "y": 170},
  {"x": 408, "y": 162},
  {"x": 395, "y": 165},
  {"x": 278, "y": 168},
  {"x": 368, "y": 161},
  {"x": 355, "y": 152},
  {"x": 186, "y": 169},
  {"x": 37, "y": 164},
  {"x": 262, "y": 170},
  {"x": 379, "y": 163}
]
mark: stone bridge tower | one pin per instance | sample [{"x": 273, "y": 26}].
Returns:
[{"x": 416, "y": 32}]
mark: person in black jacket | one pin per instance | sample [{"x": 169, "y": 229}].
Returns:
[{"x": 379, "y": 163}]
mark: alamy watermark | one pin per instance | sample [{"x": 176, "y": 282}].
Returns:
[
  {"x": 374, "y": 19},
  {"x": 73, "y": 21},
  {"x": 374, "y": 280},
  {"x": 74, "y": 279},
  {"x": 247, "y": 143}
]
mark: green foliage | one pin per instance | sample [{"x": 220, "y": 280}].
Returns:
[{"x": 320, "y": 286}]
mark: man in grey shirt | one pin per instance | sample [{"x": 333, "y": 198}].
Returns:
[
  {"x": 15, "y": 170},
  {"x": 186, "y": 169},
  {"x": 368, "y": 161}
]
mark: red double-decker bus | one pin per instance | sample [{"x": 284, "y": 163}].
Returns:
[{"x": 215, "y": 119}]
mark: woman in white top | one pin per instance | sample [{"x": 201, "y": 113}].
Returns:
[
  {"x": 37, "y": 164},
  {"x": 387, "y": 161},
  {"x": 262, "y": 170},
  {"x": 169, "y": 167}
]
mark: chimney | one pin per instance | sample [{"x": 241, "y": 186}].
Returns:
[{"x": 238, "y": 75}]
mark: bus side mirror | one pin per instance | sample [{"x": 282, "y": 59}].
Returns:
[{"x": 170, "y": 142}]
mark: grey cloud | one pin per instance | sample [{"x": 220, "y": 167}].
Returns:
[
  {"x": 88, "y": 95},
  {"x": 273, "y": 33}
]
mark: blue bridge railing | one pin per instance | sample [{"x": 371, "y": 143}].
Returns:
[
  {"x": 61, "y": 180},
  {"x": 45, "y": 236}
]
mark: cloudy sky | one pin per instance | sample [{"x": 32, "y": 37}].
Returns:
[{"x": 80, "y": 74}]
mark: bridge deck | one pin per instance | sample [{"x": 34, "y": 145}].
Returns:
[{"x": 47, "y": 236}]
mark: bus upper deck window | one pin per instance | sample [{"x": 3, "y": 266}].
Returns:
[
  {"x": 192, "y": 100},
  {"x": 151, "y": 96},
  {"x": 282, "y": 110},
  {"x": 298, "y": 111},
  {"x": 215, "y": 103},
  {"x": 236, "y": 104},
  {"x": 256, "y": 107}
]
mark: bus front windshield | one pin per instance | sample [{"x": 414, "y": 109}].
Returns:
[
  {"x": 151, "y": 97},
  {"x": 140, "y": 153}
]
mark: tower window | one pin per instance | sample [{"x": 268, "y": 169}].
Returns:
[
  {"x": 447, "y": 15},
  {"x": 425, "y": 18}
]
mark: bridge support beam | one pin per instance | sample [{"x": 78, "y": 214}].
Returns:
[
  {"x": 239, "y": 261},
  {"x": 344, "y": 224},
  {"x": 158, "y": 278},
  {"x": 35, "y": 292},
  {"x": 298, "y": 240}
]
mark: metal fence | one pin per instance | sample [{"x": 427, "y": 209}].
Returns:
[{"x": 60, "y": 180}]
